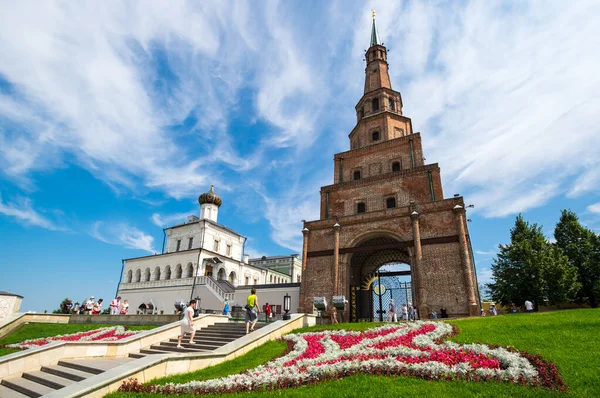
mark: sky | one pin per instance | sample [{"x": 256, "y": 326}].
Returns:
[{"x": 115, "y": 117}]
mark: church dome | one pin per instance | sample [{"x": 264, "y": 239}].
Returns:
[{"x": 210, "y": 197}]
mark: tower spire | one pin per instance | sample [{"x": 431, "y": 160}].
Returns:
[{"x": 374, "y": 36}]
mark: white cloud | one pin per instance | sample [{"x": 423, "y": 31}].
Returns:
[
  {"x": 484, "y": 275},
  {"x": 485, "y": 253},
  {"x": 595, "y": 208},
  {"x": 166, "y": 220},
  {"x": 24, "y": 213},
  {"x": 122, "y": 234}
]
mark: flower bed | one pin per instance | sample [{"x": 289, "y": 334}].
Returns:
[
  {"x": 416, "y": 349},
  {"x": 113, "y": 333}
]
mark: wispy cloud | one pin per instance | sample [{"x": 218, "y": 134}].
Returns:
[
  {"x": 165, "y": 220},
  {"x": 595, "y": 208},
  {"x": 122, "y": 234},
  {"x": 23, "y": 212}
]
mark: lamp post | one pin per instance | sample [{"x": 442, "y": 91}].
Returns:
[{"x": 287, "y": 306}]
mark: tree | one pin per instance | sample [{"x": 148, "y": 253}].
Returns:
[
  {"x": 531, "y": 268},
  {"x": 65, "y": 307},
  {"x": 582, "y": 247}
]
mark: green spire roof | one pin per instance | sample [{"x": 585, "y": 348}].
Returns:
[{"x": 374, "y": 36}]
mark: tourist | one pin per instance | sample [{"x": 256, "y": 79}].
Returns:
[
  {"x": 187, "y": 324},
  {"x": 404, "y": 312},
  {"x": 493, "y": 310},
  {"x": 434, "y": 314},
  {"x": 268, "y": 313},
  {"x": 89, "y": 306},
  {"x": 392, "y": 317},
  {"x": 410, "y": 311},
  {"x": 415, "y": 316},
  {"x": 252, "y": 310},
  {"x": 114, "y": 306},
  {"x": 97, "y": 309},
  {"x": 528, "y": 306},
  {"x": 76, "y": 308},
  {"x": 125, "y": 307},
  {"x": 334, "y": 315},
  {"x": 513, "y": 308},
  {"x": 482, "y": 312},
  {"x": 226, "y": 307}
]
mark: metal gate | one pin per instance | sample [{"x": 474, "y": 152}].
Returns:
[{"x": 370, "y": 302}]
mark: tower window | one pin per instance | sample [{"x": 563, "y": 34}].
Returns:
[
  {"x": 395, "y": 166},
  {"x": 361, "y": 208},
  {"x": 229, "y": 250},
  {"x": 178, "y": 245},
  {"x": 392, "y": 107},
  {"x": 375, "y": 104},
  {"x": 390, "y": 203},
  {"x": 216, "y": 247},
  {"x": 357, "y": 174},
  {"x": 375, "y": 135},
  {"x": 190, "y": 243}
]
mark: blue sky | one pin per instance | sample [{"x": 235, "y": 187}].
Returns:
[{"x": 114, "y": 119}]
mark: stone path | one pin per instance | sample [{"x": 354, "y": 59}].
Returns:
[{"x": 66, "y": 372}]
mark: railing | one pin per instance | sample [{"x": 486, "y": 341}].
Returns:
[
  {"x": 159, "y": 283},
  {"x": 209, "y": 282}
]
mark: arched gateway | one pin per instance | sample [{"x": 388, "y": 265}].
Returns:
[{"x": 386, "y": 206}]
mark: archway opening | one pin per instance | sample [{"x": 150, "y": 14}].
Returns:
[
  {"x": 221, "y": 275},
  {"x": 232, "y": 278}
]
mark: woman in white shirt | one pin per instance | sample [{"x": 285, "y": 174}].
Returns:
[{"x": 187, "y": 324}]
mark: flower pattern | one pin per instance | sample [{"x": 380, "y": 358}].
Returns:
[
  {"x": 113, "y": 333},
  {"x": 413, "y": 349}
]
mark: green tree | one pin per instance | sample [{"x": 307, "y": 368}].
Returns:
[
  {"x": 582, "y": 247},
  {"x": 531, "y": 268},
  {"x": 61, "y": 308}
]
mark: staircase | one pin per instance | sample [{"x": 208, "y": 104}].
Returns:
[{"x": 67, "y": 372}]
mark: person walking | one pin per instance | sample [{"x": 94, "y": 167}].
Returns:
[
  {"x": 252, "y": 310},
  {"x": 493, "y": 310},
  {"x": 267, "y": 312},
  {"x": 415, "y": 315},
  {"x": 410, "y": 312},
  {"x": 187, "y": 324},
  {"x": 392, "y": 317},
  {"x": 114, "y": 306},
  {"x": 124, "y": 307},
  {"x": 528, "y": 306},
  {"x": 226, "y": 307},
  {"x": 404, "y": 312}
]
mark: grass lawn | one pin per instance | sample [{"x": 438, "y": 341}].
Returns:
[
  {"x": 571, "y": 339},
  {"x": 37, "y": 330}
]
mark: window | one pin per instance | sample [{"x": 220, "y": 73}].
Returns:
[
  {"x": 178, "y": 245},
  {"x": 190, "y": 243},
  {"x": 216, "y": 246},
  {"x": 255, "y": 281},
  {"x": 395, "y": 166},
  {"x": 157, "y": 274},
  {"x": 392, "y": 107},
  {"x": 229, "y": 250},
  {"x": 247, "y": 281},
  {"x": 271, "y": 279},
  {"x": 390, "y": 203},
  {"x": 361, "y": 208},
  {"x": 357, "y": 174},
  {"x": 375, "y": 105},
  {"x": 129, "y": 277},
  {"x": 375, "y": 135}
]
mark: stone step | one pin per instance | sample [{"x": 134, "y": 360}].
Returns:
[
  {"x": 136, "y": 355},
  {"x": 149, "y": 351},
  {"x": 67, "y": 373},
  {"x": 217, "y": 335},
  {"x": 96, "y": 365},
  {"x": 27, "y": 387},
  {"x": 167, "y": 349},
  {"x": 6, "y": 392},
  {"x": 204, "y": 347},
  {"x": 217, "y": 343},
  {"x": 48, "y": 379}
]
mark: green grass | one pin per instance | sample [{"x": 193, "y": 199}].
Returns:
[
  {"x": 38, "y": 330},
  {"x": 571, "y": 339}
]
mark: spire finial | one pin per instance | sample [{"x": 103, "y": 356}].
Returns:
[{"x": 374, "y": 36}]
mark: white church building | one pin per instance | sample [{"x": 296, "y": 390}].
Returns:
[{"x": 204, "y": 259}]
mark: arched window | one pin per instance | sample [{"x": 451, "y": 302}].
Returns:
[
  {"x": 232, "y": 278},
  {"x": 395, "y": 166},
  {"x": 375, "y": 105},
  {"x": 157, "y": 274},
  {"x": 221, "y": 275},
  {"x": 129, "y": 277},
  {"x": 178, "y": 271},
  {"x": 361, "y": 207},
  {"x": 390, "y": 203},
  {"x": 168, "y": 272},
  {"x": 270, "y": 278},
  {"x": 375, "y": 135},
  {"x": 356, "y": 174},
  {"x": 189, "y": 270},
  {"x": 147, "y": 275},
  {"x": 392, "y": 106},
  {"x": 138, "y": 275}
]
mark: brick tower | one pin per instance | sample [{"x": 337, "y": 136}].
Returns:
[{"x": 387, "y": 206}]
